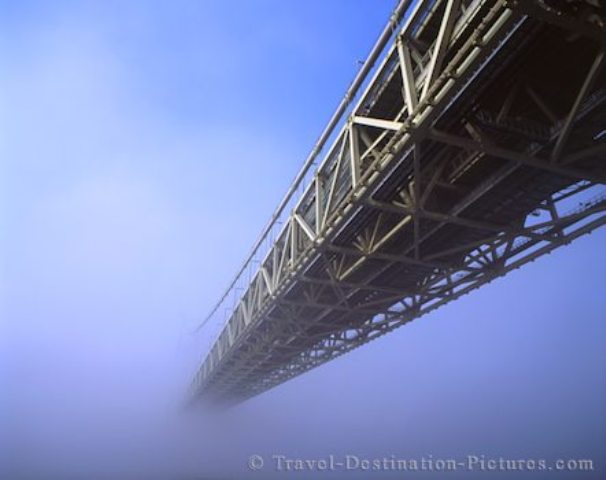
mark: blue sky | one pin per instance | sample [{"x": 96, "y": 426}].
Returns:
[{"x": 143, "y": 145}]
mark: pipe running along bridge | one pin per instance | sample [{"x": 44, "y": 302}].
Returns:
[{"x": 471, "y": 142}]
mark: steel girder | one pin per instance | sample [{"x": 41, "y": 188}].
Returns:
[{"x": 454, "y": 168}]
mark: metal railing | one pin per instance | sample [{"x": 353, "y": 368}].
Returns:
[{"x": 232, "y": 295}]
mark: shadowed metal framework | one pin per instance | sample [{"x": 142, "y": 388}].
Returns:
[{"x": 477, "y": 146}]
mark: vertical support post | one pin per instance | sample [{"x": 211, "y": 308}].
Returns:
[
  {"x": 293, "y": 240},
  {"x": 275, "y": 263},
  {"x": 354, "y": 155},
  {"x": 230, "y": 335},
  {"x": 410, "y": 89},
  {"x": 319, "y": 201}
]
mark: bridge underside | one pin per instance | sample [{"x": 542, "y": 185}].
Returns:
[{"x": 466, "y": 157}]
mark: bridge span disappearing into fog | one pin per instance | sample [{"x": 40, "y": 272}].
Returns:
[{"x": 472, "y": 141}]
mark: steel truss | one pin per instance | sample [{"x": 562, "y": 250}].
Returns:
[{"x": 454, "y": 168}]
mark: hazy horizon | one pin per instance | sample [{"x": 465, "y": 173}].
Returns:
[{"x": 143, "y": 146}]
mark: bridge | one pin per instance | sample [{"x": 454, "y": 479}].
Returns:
[{"x": 471, "y": 142}]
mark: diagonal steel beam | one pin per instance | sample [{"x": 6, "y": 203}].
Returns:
[{"x": 517, "y": 157}]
